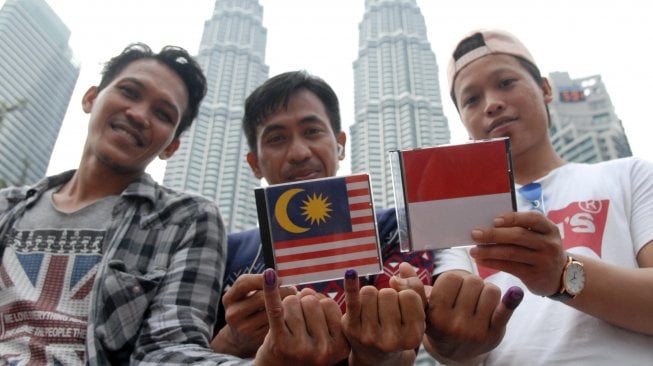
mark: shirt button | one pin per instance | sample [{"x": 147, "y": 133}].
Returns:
[{"x": 136, "y": 290}]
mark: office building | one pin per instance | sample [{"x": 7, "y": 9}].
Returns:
[
  {"x": 584, "y": 126},
  {"x": 211, "y": 159},
  {"x": 38, "y": 75},
  {"x": 397, "y": 98}
]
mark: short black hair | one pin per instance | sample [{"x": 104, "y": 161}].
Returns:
[
  {"x": 177, "y": 59},
  {"x": 276, "y": 92},
  {"x": 468, "y": 44}
]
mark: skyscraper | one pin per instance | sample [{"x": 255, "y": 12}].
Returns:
[
  {"x": 397, "y": 99},
  {"x": 584, "y": 126},
  {"x": 37, "y": 73},
  {"x": 211, "y": 160}
]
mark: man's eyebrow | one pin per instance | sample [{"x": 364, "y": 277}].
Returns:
[
  {"x": 493, "y": 73},
  {"x": 312, "y": 118},
  {"x": 134, "y": 81},
  {"x": 171, "y": 106},
  {"x": 142, "y": 86},
  {"x": 466, "y": 89},
  {"x": 272, "y": 128}
]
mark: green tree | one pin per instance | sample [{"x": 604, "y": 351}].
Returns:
[
  {"x": 23, "y": 176},
  {"x": 6, "y": 108}
]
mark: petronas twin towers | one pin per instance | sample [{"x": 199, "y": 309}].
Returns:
[
  {"x": 397, "y": 102},
  {"x": 396, "y": 91},
  {"x": 211, "y": 159}
]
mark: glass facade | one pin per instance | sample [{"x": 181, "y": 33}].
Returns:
[
  {"x": 397, "y": 97},
  {"x": 211, "y": 159},
  {"x": 584, "y": 126},
  {"x": 37, "y": 74}
]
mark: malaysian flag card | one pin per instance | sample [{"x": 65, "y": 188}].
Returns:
[
  {"x": 442, "y": 193},
  {"x": 316, "y": 229}
]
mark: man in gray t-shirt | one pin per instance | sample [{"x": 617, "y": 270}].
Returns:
[{"x": 97, "y": 263}]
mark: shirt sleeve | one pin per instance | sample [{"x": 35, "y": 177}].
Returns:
[
  {"x": 642, "y": 203},
  {"x": 453, "y": 259},
  {"x": 177, "y": 329}
]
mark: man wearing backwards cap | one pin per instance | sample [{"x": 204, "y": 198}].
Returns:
[{"x": 580, "y": 241}]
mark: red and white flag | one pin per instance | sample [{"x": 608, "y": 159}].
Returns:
[
  {"x": 314, "y": 230},
  {"x": 450, "y": 189}
]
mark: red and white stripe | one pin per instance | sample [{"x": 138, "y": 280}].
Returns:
[{"x": 328, "y": 257}]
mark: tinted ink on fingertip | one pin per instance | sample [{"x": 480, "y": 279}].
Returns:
[
  {"x": 351, "y": 274},
  {"x": 513, "y": 297},
  {"x": 270, "y": 277}
]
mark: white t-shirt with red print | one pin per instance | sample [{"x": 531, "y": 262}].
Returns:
[{"x": 604, "y": 211}]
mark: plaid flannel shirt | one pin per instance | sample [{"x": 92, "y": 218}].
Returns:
[{"x": 156, "y": 293}]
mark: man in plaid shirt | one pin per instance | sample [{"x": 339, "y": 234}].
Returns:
[{"x": 102, "y": 265}]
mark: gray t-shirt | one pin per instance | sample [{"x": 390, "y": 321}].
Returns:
[{"x": 46, "y": 276}]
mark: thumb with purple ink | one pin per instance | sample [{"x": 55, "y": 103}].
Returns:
[{"x": 509, "y": 302}]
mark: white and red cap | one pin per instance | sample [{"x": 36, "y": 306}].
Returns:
[{"x": 483, "y": 42}]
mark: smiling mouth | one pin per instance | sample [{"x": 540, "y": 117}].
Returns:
[
  {"x": 303, "y": 175},
  {"x": 499, "y": 124},
  {"x": 128, "y": 132}
]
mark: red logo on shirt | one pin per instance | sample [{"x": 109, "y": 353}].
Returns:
[{"x": 581, "y": 224}]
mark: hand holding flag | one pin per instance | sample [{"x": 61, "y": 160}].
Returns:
[{"x": 443, "y": 192}]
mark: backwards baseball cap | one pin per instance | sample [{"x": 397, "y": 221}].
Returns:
[{"x": 480, "y": 43}]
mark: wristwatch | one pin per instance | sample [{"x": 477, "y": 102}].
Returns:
[{"x": 572, "y": 281}]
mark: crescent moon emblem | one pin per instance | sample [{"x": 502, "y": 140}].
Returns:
[{"x": 281, "y": 212}]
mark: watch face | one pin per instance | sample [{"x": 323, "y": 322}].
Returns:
[{"x": 574, "y": 278}]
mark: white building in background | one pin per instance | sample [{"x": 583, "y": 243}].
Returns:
[
  {"x": 585, "y": 128},
  {"x": 37, "y": 73},
  {"x": 397, "y": 98},
  {"x": 211, "y": 159}
]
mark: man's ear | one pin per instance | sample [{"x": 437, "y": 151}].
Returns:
[
  {"x": 547, "y": 92},
  {"x": 341, "y": 139},
  {"x": 89, "y": 98},
  {"x": 252, "y": 160},
  {"x": 170, "y": 149}
]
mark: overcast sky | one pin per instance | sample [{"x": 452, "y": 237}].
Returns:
[{"x": 583, "y": 37}]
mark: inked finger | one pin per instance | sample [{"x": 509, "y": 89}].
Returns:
[
  {"x": 273, "y": 304},
  {"x": 509, "y": 302},
  {"x": 352, "y": 299}
]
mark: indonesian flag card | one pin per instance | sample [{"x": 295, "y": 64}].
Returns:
[
  {"x": 443, "y": 192},
  {"x": 315, "y": 230}
]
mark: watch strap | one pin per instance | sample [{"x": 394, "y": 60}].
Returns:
[{"x": 562, "y": 294}]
